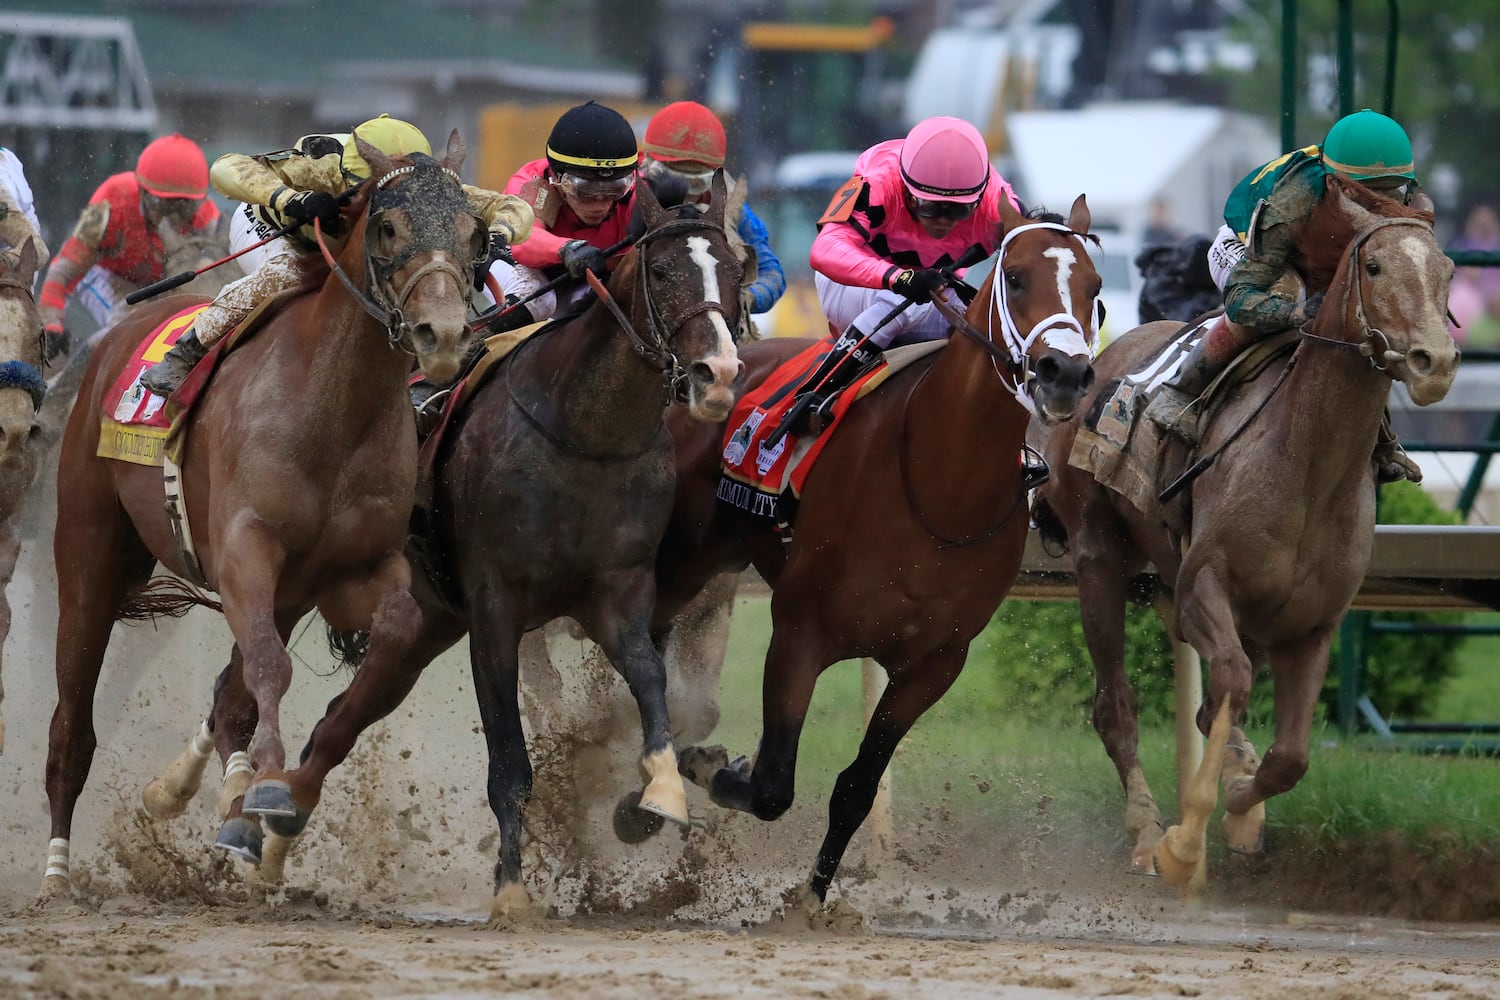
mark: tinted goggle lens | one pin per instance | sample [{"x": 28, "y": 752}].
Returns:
[
  {"x": 956, "y": 211},
  {"x": 594, "y": 188},
  {"x": 698, "y": 178}
]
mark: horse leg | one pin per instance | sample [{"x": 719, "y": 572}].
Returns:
[
  {"x": 10, "y": 551},
  {"x": 1297, "y": 674},
  {"x": 912, "y": 691},
  {"x": 1206, "y": 622},
  {"x": 167, "y": 796},
  {"x": 693, "y": 648},
  {"x": 1101, "y": 603},
  {"x": 621, "y": 627},
  {"x": 793, "y": 664},
  {"x": 99, "y": 558}
]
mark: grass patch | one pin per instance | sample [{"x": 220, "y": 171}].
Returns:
[{"x": 1004, "y": 769}]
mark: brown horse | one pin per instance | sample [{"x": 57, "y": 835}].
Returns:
[
  {"x": 1281, "y": 523},
  {"x": 910, "y": 529},
  {"x": 21, "y": 394},
  {"x": 552, "y": 491},
  {"x": 300, "y": 469}
]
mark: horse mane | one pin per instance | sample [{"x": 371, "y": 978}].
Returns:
[
  {"x": 1329, "y": 230},
  {"x": 1040, "y": 213}
]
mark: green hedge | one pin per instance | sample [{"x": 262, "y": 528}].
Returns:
[{"x": 1032, "y": 659}]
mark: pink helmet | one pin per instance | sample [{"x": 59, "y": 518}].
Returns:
[{"x": 945, "y": 159}]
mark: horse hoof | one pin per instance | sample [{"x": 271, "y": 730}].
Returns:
[
  {"x": 512, "y": 908},
  {"x": 269, "y": 798},
  {"x": 634, "y": 825},
  {"x": 700, "y": 764},
  {"x": 287, "y": 826},
  {"x": 1177, "y": 856},
  {"x": 1245, "y": 834},
  {"x": 242, "y": 838},
  {"x": 666, "y": 799},
  {"x": 162, "y": 802}
]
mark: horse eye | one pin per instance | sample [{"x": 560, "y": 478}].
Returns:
[
  {"x": 1013, "y": 279},
  {"x": 387, "y": 229},
  {"x": 1372, "y": 267}
]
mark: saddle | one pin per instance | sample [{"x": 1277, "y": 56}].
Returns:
[{"x": 1134, "y": 457}]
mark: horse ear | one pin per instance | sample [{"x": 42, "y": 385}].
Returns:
[
  {"x": 1078, "y": 216},
  {"x": 380, "y": 164},
  {"x": 1358, "y": 216},
  {"x": 647, "y": 207},
  {"x": 29, "y": 261},
  {"x": 718, "y": 199},
  {"x": 1010, "y": 218},
  {"x": 170, "y": 237},
  {"x": 454, "y": 157}
]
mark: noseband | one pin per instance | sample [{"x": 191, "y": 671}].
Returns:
[
  {"x": 379, "y": 302},
  {"x": 1373, "y": 344},
  {"x": 657, "y": 351}
]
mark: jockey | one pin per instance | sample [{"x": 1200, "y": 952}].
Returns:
[
  {"x": 583, "y": 194},
  {"x": 18, "y": 221},
  {"x": 301, "y": 184},
  {"x": 687, "y": 139},
  {"x": 914, "y": 205},
  {"x": 116, "y": 246},
  {"x": 1258, "y": 246}
]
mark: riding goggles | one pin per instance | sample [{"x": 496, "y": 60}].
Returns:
[
  {"x": 595, "y": 189},
  {"x": 697, "y": 175},
  {"x": 955, "y": 211}
]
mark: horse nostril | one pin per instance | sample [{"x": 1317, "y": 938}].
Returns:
[
  {"x": 424, "y": 338},
  {"x": 701, "y": 373},
  {"x": 1047, "y": 370},
  {"x": 1419, "y": 361},
  {"x": 1087, "y": 382}
]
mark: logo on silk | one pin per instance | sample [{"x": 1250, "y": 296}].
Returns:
[
  {"x": 766, "y": 457},
  {"x": 739, "y": 442}
]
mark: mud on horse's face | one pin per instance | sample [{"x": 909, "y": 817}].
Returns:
[
  {"x": 421, "y": 245},
  {"x": 1045, "y": 304}
]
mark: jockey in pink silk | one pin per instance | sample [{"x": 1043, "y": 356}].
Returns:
[{"x": 913, "y": 206}]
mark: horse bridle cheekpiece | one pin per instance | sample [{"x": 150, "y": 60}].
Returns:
[
  {"x": 657, "y": 352},
  {"x": 431, "y": 195},
  {"x": 1066, "y": 334},
  {"x": 1373, "y": 344}
]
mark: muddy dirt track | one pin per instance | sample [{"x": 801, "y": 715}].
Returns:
[{"x": 387, "y": 895}]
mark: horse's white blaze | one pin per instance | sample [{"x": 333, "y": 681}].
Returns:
[
  {"x": 1416, "y": 250},
  {"x": 699, "y": 252},
  {"x": 1065, "y": 261}
]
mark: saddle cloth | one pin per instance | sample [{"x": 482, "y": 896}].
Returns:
[{"x": 767, "y": 482}]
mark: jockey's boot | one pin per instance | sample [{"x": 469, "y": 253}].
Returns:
[
  {"x": 851, "y": 356},
  {"x": 1171, "y": 407},
  {"x": 1034, "y": 469},
  {"x": 427, "y": 400},
  {"x": 164, "y": 377},
  {"x": 1392, "y": 463}
]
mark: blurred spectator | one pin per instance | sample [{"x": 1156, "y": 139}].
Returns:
[
  {"x": 1160, "y": 231},
  {"x": 1474, "y": 298},
  {"x": 1178, "y": 285}
]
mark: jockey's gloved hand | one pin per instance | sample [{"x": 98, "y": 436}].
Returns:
[
  {"x": 919, "y": 286},
  {"x": 1307, "y": 310},
  {"x": 305, "y": 206},
  {"x": 55, "y": 342},
  {"x": 578, "y": 257},
  {"x": 500, "y": 247}
]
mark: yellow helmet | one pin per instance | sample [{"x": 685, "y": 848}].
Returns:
[{"x": 391, "y": 136}]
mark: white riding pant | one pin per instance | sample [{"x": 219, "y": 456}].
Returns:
[
  {"x": 1223, "y": 253},
  {"x": 866, "y": 308},
  {"x": 520, "y": 281},
  {"x": 102, "y": 292},
  {"x": 268, "y": 270}
]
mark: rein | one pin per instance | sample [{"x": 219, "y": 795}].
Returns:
[
  {"x": 657, "y": 352},
  {"x": 1373, "y": 344},
  {"x": 389, "y": 314}
]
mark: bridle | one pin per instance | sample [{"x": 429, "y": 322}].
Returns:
[
  {"x": 379, "y": 302},
  {"x": 1373, "y": 344},
  {"x": 657, "y": 351}
]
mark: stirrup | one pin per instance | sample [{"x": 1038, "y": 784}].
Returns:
[{"x": 1393, "y": 464}]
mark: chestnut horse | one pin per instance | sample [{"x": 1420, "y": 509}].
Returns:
[
  {"x": 910, "y": 529},
  {"x": 1281, "y": 523},
  {"x": 552, "y": 491},
  {"x": 21, "y": 393},
  {"x": 300, "y": 469}
]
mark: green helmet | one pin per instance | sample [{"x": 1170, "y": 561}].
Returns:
[{"x": 1367, "y": 145}]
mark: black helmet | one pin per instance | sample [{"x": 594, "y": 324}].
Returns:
[{"x": 595, "y": 140}]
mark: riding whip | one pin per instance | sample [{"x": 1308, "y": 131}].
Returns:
[
  {"x": 491, "y": 315},
  {"x": 174, "y": 281}
]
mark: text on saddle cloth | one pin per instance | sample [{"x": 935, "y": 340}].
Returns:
[{"x": 134, "y": 422}]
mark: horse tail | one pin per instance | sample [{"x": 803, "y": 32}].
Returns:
[
  {"x": 164, "y": 595},
  {"x": 1049, "y": 526},
  {"x": 349, "y": 648}
]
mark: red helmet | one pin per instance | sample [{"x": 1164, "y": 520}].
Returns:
[
  {"x": 685, "y": 131},
  {"x": 173, "y": 167},
  {"x": 945, "y": 159}
]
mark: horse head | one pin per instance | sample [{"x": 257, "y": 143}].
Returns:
[
  {"x": 683, "y": 279},
  {"x": 1389, "y": 296},
  {"x": 1044, "y": 299},
  {"x": 192, "y": 249},
  {"x": 21, "y": 383},
  {"x": 421, "y": 243}
]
